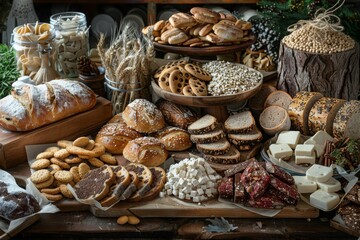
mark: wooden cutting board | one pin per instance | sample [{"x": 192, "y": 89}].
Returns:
[
  {"x": 171, "y": 207},
  {"x": 29, "y": 221},
  {"x": 12, "y": 144}
]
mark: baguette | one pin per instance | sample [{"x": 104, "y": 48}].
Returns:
[{"x": 29, "y": 107}]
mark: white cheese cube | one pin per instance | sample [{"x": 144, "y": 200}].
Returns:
[
  {"x": 169, "y": 192},
  {"x": 181, "y": 195},
  {"x": 324, "y": 200},
  {"x": 304, "y": 185},
  {"x": 214, "y": 190},
  {"x": 200, "y": 191},
  {"x": 319, "y": 149},
  {"x": 319, "y": 173},
  {"x": 305, "y": 150},
  {"x": 289, "y": 137},
  {"x": 210, "y": 184},
  {"x": 175, "y": 192},
  {"x": 305, "y": 159},
  {"x": 332, "y": 185},
  {"x": 280, "y": 150},
  {"x": 203, "y": 187},
  {"x": 202, "y": 198},
  {"x": 193, "y": 193},
  {"x": 187, "y": 197},
  {"x": 196, "y": 199},
  {"x": 208, "y": 192},
  {"x": 203, "y": 180},
  {"x": 162, "y": 194},
  {"x": 321, "y": 137},
  {"x": 212, "y": 177},
  {"x": 194, "y": 182}
]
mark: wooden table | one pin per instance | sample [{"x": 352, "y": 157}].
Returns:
[{"x": 83, "y": 225}]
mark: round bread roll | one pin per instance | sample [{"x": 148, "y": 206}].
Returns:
[
  {"x": 174, "y": 138},
  {"x": 115, "y": 136},
  {"x": 148, "y": 151},
  {"x": 143, "y": 116}
]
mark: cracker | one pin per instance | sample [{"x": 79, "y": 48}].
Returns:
[
  {"x": 198, "y": 87},
  {"x": 53, "y": 197},
  {"x": 198, "y": 72},
  {"x": 40, "y": 176},
  {"x": 44, "y": 155},
  {"x": 63, "y": 176},
  {"x": 45, "y": 184},
  {"x": 81, "y": 141},
  {"x": 108, "y": 158},
  {"x": 40, "y": 164},
  {"x": 61, "y": 154},
  {"x": 55, "y": 190},
  {"x": 96, "y": 162},
  {"x": 65, "y": 191}
]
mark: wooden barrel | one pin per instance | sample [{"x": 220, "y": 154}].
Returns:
[
  {"x": 95, "y": 82},
  {"x": 334, "y": 75}
]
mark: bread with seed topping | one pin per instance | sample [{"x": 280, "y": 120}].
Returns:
[
  {"x": 203, "y": 125},
  {"x": 216, "y": 148},
  {"x": 240, "y": 122}
]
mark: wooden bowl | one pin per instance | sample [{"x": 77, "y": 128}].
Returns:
[{"x": 205, "y": 101}]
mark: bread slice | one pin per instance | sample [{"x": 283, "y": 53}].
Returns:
[
  {"x": 203, "y": 125},
  {"x": 159, "y": 176},
  {"x": 212, "y": 136},
  {"x": 132, "y": 187},
  {"x": 278, "y": 98},
  {"x": 240, "y": 122},
  {"x": 232, "y": 156},
  {"x": 250, "y": 138},
  {"x": 347, "y": 120},
  {"x": 216, "y": 148},
  {"x": 96, "y": 184},
  {"x": 299, "y": 110},
  {"x": 145, "y": 178},
  {"x": 322, "y": 114},
  {"x": 256, "y": 103},
  {"x": 274, "y": 119}
]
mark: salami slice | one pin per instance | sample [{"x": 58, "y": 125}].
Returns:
[
  {"x": 284, "y": 188},
  {"x": 279, "y": 173},
  {"x": 266, "y": 201},
  {"x": 288, "y": 200},
  {"x": 226, "y": 188},
  {"x": 238, "y": 167},
  {"x": 255, "y": 179},
  {"x": 239, "y": 189}
]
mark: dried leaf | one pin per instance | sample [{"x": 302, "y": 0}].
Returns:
[{"x": 219, "y": 225}]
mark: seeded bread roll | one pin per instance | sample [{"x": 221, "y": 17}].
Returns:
[
  {"x": 143, "y": 116},
  {"x": 146, "y": 150},
  {"x": 299, "y": 110},
  {"x": 347, "y": 120},
  {"x": 322, "y": 114},
  {"x": 115, "y": 136},
  {"x": 174, "y": 138}
]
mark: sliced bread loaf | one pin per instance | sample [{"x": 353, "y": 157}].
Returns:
[
  {"x": 347, "y": 120},
  {"x": 278, "y": 98},
  {"x": 274, "y": 119},
  {"x": 240, "y": 122},
  {"x": 232, "y": 156},
  {"x": 216, "y": 148},
  {"x": 256, "y": 103},
  {"x": 322, "y": 114},
  {"x": 299, "y": 110},
  {"x": 203, "y": 125},
  {"x": 212, "y": 136},
  {"x": 251, "y": 138}
]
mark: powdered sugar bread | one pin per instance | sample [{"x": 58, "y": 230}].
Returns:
[
  {"x": 143, "y": 116},
  {"x": 240, "y": 122},
  {"x": 29, "y": 107},
  {"x": 203, "y": 125}
]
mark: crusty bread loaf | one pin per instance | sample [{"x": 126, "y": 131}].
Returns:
[
  {"x": 299, "y": 110},
  {"x": 205, "y": 15},
  {"x": 29, "y": 107},
  {"x": 203, "y": 125},
  {"x": 278, "y": 98},
  {"x": 117, "y": 118},
  {"x": 176, "y": 115},
  {"x": 209, "y": 137},
  {"x": 240, "y": 122},
  {"x": 322, "y": 114},
  {"x": 347, "y": 120},
  {"x": 146, "y": 150},
  {"x": 115, "y": 136},
  {"x": 174, "y": 138},
  {"x": 216, "y": 148},
  {"x": 230, "y": 157},
  {"x": 143, "y": 116}
]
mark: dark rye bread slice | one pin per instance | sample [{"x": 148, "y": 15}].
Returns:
[
  {"x": 216, "y": 148},
  {"x": 123, "y": 179},
  {"x": 203, "y": 125},
  {"x": 132, "y": 187},
  {"x": 212, "y": 136},
  {"x": 242, "y": 139},
  {"x": 240, "y": 122},
  {"x": 145, "y": 178},
  {"x": 230, "y": 157},
  {"x": 96, "y": 184}
]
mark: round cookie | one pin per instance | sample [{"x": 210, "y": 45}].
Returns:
[
  {"x": 61, "y": 164},
  {"x": 40, "y": 176},
  {"x": 40, "y": 164},
  {"x": 81, "y": 141},
  {"x": 73, "y": 160},
  {"x": 45, "y": 184},
  {"x": 65, "y": 191},
  {"x": 44, "y": 155},
  {"x": 75, "y": 172},
  {"x": 83, "y": 169},
  {"x": 53, "y": 197},
  {"x": 198, "y": 72},
  {"x": 187, "y": 91},
  {"x": 96, "y": 162},
  {"x": 52, "y": 149},
  {"x": 61, "y": 154},
  {"x": 63, "y": 176},
  {"x": 55, "y": 190},
  {"x": 108, "y": 158},
  {"x": 177, "y": 81},
  {"x": 198, "y": 87}
]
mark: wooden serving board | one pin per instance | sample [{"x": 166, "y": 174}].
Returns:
[
  {"x": 29, "y": 221},
  {"x": 172, "y": 207},
  {"x": 12, "y": 144}
]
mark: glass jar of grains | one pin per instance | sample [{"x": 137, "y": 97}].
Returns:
[{"x": 71, "y": 41}]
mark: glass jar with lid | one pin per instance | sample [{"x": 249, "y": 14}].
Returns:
[
  {"x": 71, "y": 41},
  {"x": 26, "y": 40}
]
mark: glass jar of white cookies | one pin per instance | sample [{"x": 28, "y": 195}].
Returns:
[
  {"x": 71, "y": 41},
  {"x": 26, "y": 40}
]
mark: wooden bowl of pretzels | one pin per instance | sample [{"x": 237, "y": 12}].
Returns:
[{"x": 204, "y": 85}]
